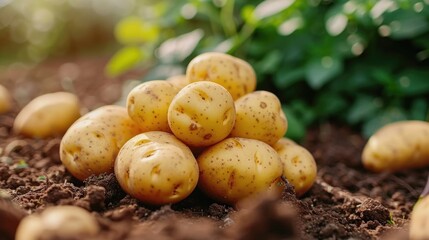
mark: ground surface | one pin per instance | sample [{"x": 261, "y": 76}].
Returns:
[{"x": 346, "y": 202}]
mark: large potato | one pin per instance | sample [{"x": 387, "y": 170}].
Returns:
[
  {"x": 5, "y": 100},
  {"x": 202, "y": 114},
  {"x": 156, "y": 168},
  {"x": 299, "y": 166},
  {"x": 236, "y": 168},
  {"x": 397, "y": 146},
  {"x": 236, "y": 75},
  {"x": 48, "y": 115},
  {"x": 59, "y": 222},
  {"x": 92, "y": 143},
  {"x": 148, "y": 103},
  {"x": 259, "y": 116}
]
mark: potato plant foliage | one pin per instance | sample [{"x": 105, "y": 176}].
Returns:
[{"x": 362, "y": 63}]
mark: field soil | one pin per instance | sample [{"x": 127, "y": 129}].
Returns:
[{"x": 346, "y": 202}]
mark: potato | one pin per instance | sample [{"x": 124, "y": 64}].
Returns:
[
  {"x": 236, "y": 75},
  {"x": 180, "y": 81},
  {"x": 419, "y": 220},
  {"x": 59, "y": 222},
  {"x": 48, "y": 115},
  {"x": 148, "y": 103},
  {"x": 236, "y": 168},
  {"x": 397, "y": 146},
  {"x": 5, "y": 100},
  {"x": 156, "y": 168},
  {"x": 202, "y": 114},
  {"x": 260, "y": 116},
  {"x": 92, "y": 143},
  {"x": 299, "y": 166}
]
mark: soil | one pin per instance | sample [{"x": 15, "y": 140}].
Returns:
[{"x": 346, "y": 202}]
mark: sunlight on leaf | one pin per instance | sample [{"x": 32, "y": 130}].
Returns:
[
  {"x": 270, "y": 8},
  {"x": 177, "y": 49},
  {"x": 336, "y": 24},
  {"x": 132, "y": 30},
  {"x": 321, "y": 70},
  {"x": 123, "y": 60}
]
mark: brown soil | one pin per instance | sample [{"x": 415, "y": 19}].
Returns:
[{"x": 346, "y": 202}]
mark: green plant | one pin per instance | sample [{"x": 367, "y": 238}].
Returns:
[{"x": 361, "y": 63}]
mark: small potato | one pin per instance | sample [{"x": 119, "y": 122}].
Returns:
[
  {"x": 397, "y": 146},
  {"x": 48, "y": 115},
  {"x": 202, "y": 114},
  {"x": 419, "y": 220},
  {"x": 5, "y": 100},
  {"x": 236, "y": 168},
  {"x": 148, "y": 103},
  {"x": 260, "y": 116},
  {"x": 236, "y": 75},
  {"x": 92, "y": 143},
  {"x": 180, "y": 81},
  {"x": 156, "y": 168},
  {"x": 299, "y": 166},
  {"x": 59, "y": 222}
]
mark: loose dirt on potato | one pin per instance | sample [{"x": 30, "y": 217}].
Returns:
[{"x": 346, "y": 202}]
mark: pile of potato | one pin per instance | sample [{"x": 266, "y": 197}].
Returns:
[{"x": 208, "y": 128}]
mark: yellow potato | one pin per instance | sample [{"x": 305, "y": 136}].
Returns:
[
  {"x": 148, "y": 103},
  {"x": 156, "y": 168},
  {"x": 61, "y": 222},
  {"x": 92, "y": 143},
  {"x": 260, "y": 116},
  {"x": 179, "y": 81},
  {"x": 236, "y": 168},
  {"x": 202, "y": 114},
  {"x": 48, "y": 115},
  {"x": 5, "y": 100},
  {"x": 397, "y": 146},
  {"x": 299, "y": 166},
  {"x": 419, "y": 220},
  {"x": 236, "y": 75}
]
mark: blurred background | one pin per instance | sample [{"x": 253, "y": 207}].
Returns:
[{"x": 361, "y": 63}]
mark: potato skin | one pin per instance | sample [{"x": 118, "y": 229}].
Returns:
[
  {"x": 202, "y": 114},
  {"x": 397, "y": 146},
  {"x": 236, "y": 168},
  {"x": 299, "y": 166},
  {"x": 236, "y": 75},
  {"x": 148, "y": 103},
  {"x": 260, "y": 116},
  {"x": 63, "y": 222},
  {"x": 419, "y": 220},
  {"x": 156, "y": 168},
  {"x": 92, "y": 143},
  {"x": 180, "y": 81},
  {"x": 5, "y": 100},
  {"x": 48, "y": 115}
]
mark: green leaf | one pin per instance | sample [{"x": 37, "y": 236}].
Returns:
[
  {"x": 405, "y": 24},
  {"x": 329, "y": 104},
  {"x": 132, "y": 30},
  {"x": 364, "y": 107},
  {"x": 124, "y": 60},
  {"x": 286, "y": 77},
  {"x": 413, "y": 82},
  {"x": 321, "y": 70},
  {"x": 296, "y": 128},
  {"x": 388, "y": 116},
  {"x": 419, "y": 109},
  {"x": 269, "y": 63}
]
